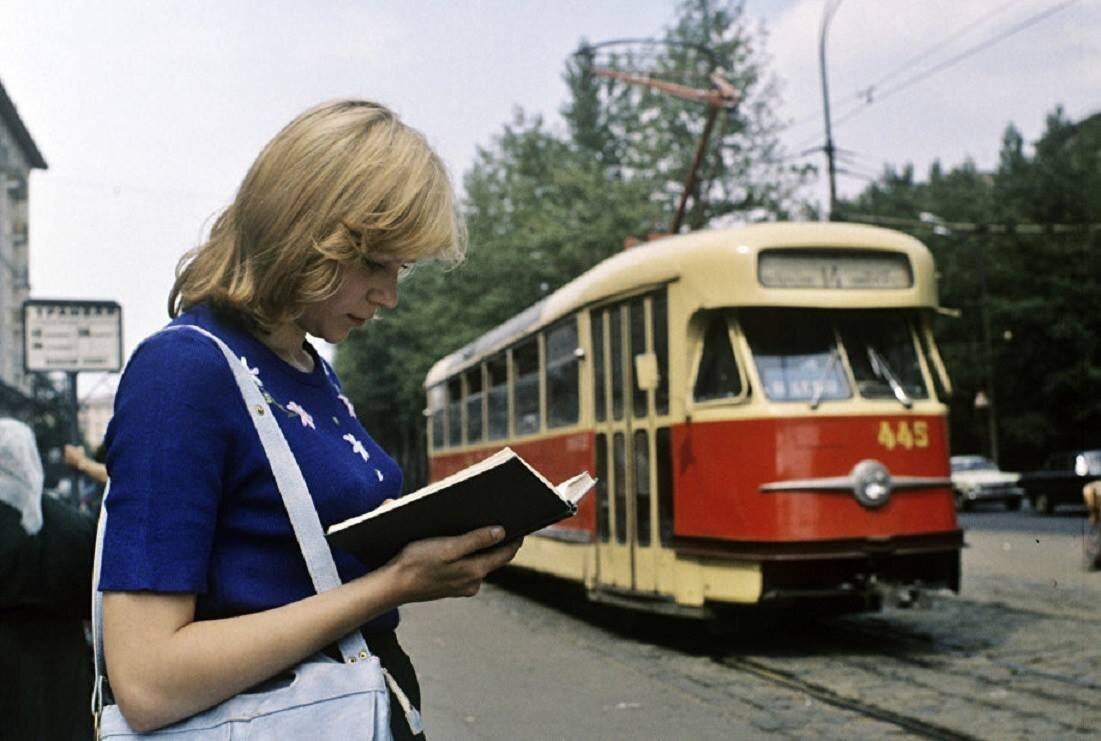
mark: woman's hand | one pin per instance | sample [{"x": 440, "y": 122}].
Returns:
[{"x": 450, "y": 567}]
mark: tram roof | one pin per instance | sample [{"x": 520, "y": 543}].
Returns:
[{"x": 719, "y": 267}]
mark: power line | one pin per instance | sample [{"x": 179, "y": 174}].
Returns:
[
  {"x": 861, "y": 97},
  {"x": 942, "y": 227},
  {"x": 952, "y": 61}
]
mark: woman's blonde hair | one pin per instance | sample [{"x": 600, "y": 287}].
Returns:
[{"x": 344, "y": 181}]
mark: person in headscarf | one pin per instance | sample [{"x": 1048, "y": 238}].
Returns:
[{"x": 46, "y": 551}]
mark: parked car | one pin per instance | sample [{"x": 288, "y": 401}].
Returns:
[
  {"x": 977, "y": 479},
  {"x": 1061, "y": 479}
]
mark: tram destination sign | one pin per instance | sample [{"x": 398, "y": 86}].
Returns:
[
  {"x": 824, "y": 268},
  {"x": 73, "y": 336}
]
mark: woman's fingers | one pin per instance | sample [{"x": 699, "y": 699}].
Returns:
[
  {"x": 466, "y": 544},
  {"x": 454, "y": 566}
]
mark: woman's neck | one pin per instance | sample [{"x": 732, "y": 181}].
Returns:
[{"x": 286, "y": 340}]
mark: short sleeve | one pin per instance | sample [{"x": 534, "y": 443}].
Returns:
[{"x": 167, "y": 449}]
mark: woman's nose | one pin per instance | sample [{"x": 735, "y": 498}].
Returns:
[{"x": 385, "y": 291}]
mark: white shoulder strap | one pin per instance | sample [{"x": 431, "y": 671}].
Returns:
[{"x": 296, "y": 498}]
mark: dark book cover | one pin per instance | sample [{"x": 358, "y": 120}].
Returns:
[{"x": 502, "y": 490}]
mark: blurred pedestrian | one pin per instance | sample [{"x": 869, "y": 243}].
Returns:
[
  {"x": 93, "y": 476},
  {"x": 206, "y": 591},
  {"x": 45, "y": 578}
]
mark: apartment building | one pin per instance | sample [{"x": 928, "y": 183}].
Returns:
[{"x": 18, "y": 156}]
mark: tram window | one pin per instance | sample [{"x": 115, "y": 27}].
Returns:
[
  {"x": 455, "y": 411},
  {"x": 718, "y": 376},
  {"x": 615, "y": 339},
  {"x": 619, "y": 474},
  {"x": 525, "y": 360},
  {"x": 497, "y": 370},
  {"x": 562, "y": 374},
  {"x": 474, "y": 397},
  {"x": 637, "y": 312},
  {"x": 659, "y": 309},
  {"x": 796, "y": 354},
  {"x": 663, "y": 448},
  {"x": 437, "y": 405},
  {"x": 599, "y": 398},
  {"x": 642, "y": 487},
  {"x": 882, "y": 355},
  {"x": 602, "y": 487}
]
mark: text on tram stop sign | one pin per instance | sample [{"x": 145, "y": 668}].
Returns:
[{"x": 72, "y": 336}]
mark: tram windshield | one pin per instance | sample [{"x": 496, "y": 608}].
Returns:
[
  {"x": 883, "y": 356},
  {"x": 796, "y": 355},
  {"x": 799, "y": 355}
]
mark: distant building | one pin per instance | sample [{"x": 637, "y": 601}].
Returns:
[{"x": 18, "y": 156}]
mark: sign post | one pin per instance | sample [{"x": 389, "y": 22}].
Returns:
[{"x": 70, "y": 337}]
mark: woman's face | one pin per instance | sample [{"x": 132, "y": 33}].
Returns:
[{"x": 364, "y": 287}]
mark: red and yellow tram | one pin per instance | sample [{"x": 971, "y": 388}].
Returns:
[{"x": 762, "y": 406}]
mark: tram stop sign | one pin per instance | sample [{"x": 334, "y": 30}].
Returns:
[{"x": 72, "y": 336}]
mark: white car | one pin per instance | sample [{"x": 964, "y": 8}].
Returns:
[{"x": 978, "y": 479}]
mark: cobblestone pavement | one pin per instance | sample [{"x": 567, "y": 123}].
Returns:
[{"x": 1016, "y": 655}]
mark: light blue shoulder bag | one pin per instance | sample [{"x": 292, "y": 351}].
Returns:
[{"x": 327, "y": 698}]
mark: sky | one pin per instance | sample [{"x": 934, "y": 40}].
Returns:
[{"x": 149, "y": 112}]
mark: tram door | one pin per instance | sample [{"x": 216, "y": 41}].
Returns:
[{"x": 626, "y": 553}]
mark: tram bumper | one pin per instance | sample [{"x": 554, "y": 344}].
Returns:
[{"x": 898, "y": 570}]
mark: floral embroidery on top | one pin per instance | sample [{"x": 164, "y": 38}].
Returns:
[
  {"x": 307, "y": 420},
  {"x": 347, "y": 403},
  {"x": 254, "y": 372},
  {"x": 357, "y": 446}
]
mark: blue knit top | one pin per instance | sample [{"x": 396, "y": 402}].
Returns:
[{"x": 193, "y": 506}]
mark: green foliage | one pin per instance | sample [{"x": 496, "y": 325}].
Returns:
[
  {"x": 543, "y": 206},
  {"x": 1039, "y": 290}
]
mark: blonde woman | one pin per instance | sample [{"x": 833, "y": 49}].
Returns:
[{"x": 205, "y": 591}]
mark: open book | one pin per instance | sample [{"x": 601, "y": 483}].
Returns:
[{"x": 501, "y": 490}]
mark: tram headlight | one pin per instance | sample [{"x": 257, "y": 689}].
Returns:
[{"x": 871, "y": 483}]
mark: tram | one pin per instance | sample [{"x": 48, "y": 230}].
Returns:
[{"x": 763, "y": 408}]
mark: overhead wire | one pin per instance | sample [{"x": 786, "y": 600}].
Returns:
[
  {"x": 861, "y": 95},
  {"x": 952, "y": 61}
]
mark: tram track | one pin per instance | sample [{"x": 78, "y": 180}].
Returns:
[
  {"x": 960, "y": 670},
  {"x": 902, "y": 671},
  {"x": 956, "y": 651},
  {"x": 916, "y": 726}
]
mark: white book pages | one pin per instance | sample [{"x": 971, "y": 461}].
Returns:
[{"x": 572, "y": 490}]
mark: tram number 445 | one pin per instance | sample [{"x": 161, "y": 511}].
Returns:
[{"x": 903, "y": 435}]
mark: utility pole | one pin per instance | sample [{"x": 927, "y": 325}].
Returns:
[
  {"x": 988, "y": 358},
  {"x": 827, "y": 15}
]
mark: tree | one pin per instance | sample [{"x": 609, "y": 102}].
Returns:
[
  {"x": 544, "y": 205},
  {"x": 1036, "y": 287}
]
